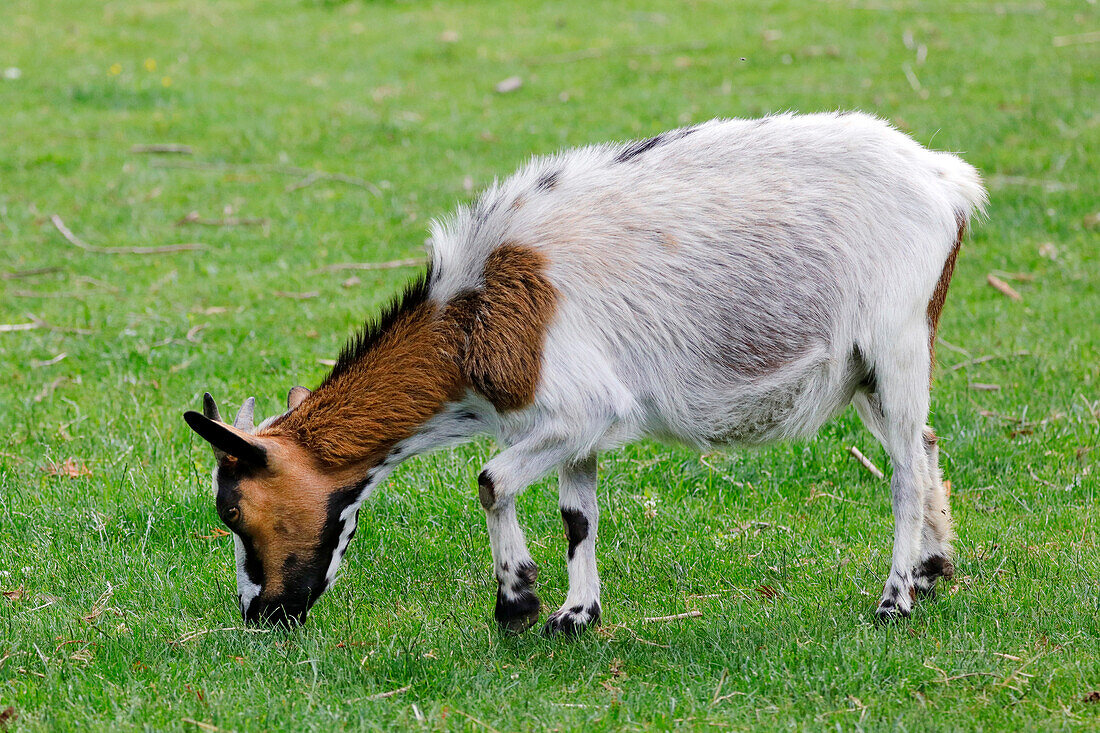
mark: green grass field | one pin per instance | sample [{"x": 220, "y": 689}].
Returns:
[{"x": 119, "y": 609}]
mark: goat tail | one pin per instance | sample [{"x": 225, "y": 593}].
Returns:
[
  {"x": 968, "y": 197},
  {"x": 963, "y": 186}
]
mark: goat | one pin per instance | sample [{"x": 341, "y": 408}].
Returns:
[{"x": 735, "y": 282}]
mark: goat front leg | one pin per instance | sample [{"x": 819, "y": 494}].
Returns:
[
  {"x": 517, "y": 607},
  {"x": 580, "y": 514},
  {"x": 504, "y": 478}
]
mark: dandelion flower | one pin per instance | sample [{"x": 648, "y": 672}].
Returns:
[
  {"x": 166, "y": 81},
  {"x": 150, "y": 64},
  {"x": 115, "y": 69}
]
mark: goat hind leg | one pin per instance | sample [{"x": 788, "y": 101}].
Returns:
[
  {"x": 936, "y": 558},
  {"x": 895, "y": 413}
]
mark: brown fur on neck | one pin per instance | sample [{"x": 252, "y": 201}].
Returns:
[
  {"x": 404, "y": 379},
  {"x": 391, "y": 382}
]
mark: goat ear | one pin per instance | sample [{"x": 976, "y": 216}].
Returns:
[
  {"x": 296, "y": 397},
  {"x": 227, "y": 440},
  {"x": 210, "y": 408}
]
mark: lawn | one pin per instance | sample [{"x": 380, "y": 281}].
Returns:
[{"x": 321, "y": 132}]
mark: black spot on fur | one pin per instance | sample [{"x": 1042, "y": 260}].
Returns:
[
  {"x": 547, "y": 181},
  {"x": 638, "y": 147},
  {"x": 528, "y": 572},
  {"x": 868, "y": 380},
  {"x": 414, "y": 295},
  {"x": 570, "y": 623},
  {"x": 576, "y": 528},
  {"x": 930, "y": 571},
  {"x": 486, "y": 493},
  {"x": 228, "y": 489},
  {"x": 889, "y": 613},
  {"x": 935, "y": 567}
]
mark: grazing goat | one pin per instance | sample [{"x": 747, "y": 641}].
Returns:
[{"x": 735, "y": 282}]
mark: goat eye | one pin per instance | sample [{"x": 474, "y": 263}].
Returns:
[{"x": 232, "y": 515}]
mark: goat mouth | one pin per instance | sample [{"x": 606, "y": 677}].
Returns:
[{"x": 278, "y": 615}]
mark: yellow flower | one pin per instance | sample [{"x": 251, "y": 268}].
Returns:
[
  {"x": 166, "y": 81},
  {"x": 150, "y": 64},
  {"x": 115, "y": 69}
]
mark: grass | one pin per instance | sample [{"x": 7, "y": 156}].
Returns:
[{"x": 119, "y": 610}]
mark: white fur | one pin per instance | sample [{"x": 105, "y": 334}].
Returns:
[
  {"x": 246, "y": 589},
  {"x": 733, "y": 283}
]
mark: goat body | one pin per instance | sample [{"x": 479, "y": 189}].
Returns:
[{"x": 736, "y": 282}]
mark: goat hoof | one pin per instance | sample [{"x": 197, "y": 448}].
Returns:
[
  {"x": 516, "y": 615},
  {"x": 926, "y": 587},
  {"x": 572, "y": 621},
  {"x": 890, "y": 614}
]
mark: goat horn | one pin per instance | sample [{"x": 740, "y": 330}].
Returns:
[{"x": 243, "y": 420}]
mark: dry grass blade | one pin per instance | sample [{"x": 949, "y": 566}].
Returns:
[
  {"x": 100, "y": 605},
  {"x": 315, "y": 176},
  {"x": 309, "y": 176},
  {"x": 479, "y": 721},
  {"x": 70, "y": 468},
  {"x": 10, "y": 327},
  {"x": 36, "y": 364},
  {"x": 1047, "y": 185},
  {"x": 170, "y": 148},
  {"x": 76, "y": 241},
  {"x": 718, "y": 689},
  {"x": 1090, "y": 37},
  {"x": 297, "y": 296},
  {"x": 595, "y": 53},
  {"x": 391, "y": 265},
  {"x": 1003, "y": 287},
  {"x": 199, "y": 724},
  {"x": 391, "y": 693},
  {"x": 675, "y": 617},
  {"x": 36, "y": 294},
  {"x": 866, "y": 463},
  {"x": 983, "y": 387},
  {"x": 33, "y": 272},
  {"x": 231, "y": 221},
  {"x": 984, "y": 359},
  {"x": 192, "y": 635},
  {"x": 510, "y": 84}
]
